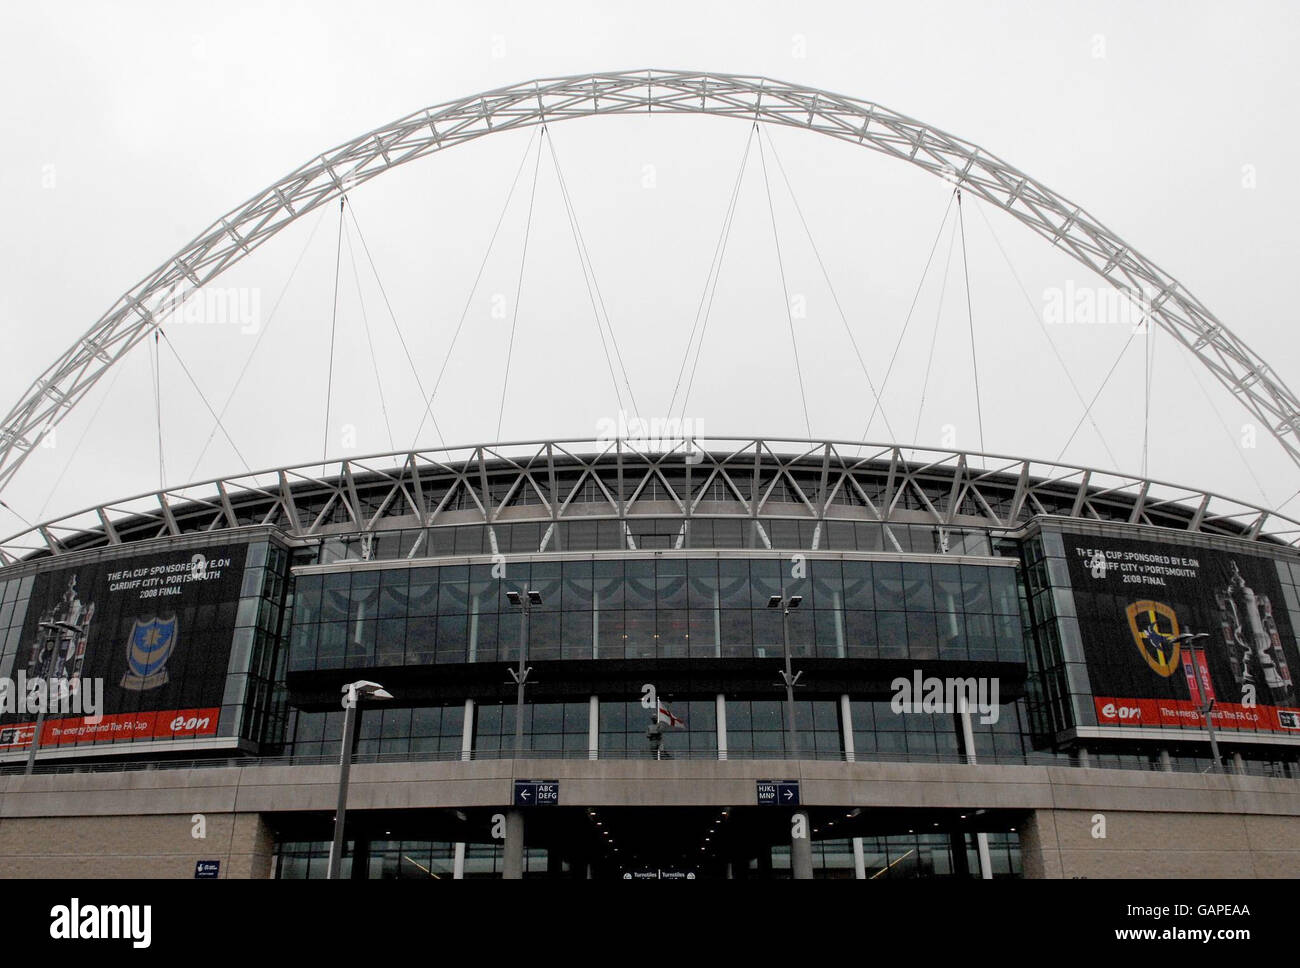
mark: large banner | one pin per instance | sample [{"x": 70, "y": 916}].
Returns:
[
  {"x": 1167, "y": 628},
  {"x": 143, "y": 642}
]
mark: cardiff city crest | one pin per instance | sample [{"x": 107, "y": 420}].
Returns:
[
  {"x": 1154, "y": 627},
  {"x": 148, "y": 648}
]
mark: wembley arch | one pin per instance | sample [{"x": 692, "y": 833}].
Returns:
[{"x": 237, "y": 233}]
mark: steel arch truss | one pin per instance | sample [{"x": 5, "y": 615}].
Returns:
[
  {"x": 323, "y": 179},
  {"x": 583, "y": 480}
]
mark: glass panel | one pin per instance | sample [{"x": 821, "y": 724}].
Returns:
[
  {"x": 888, "y": 585},
  {"x": 918, "y": 586},
  {"x": 640, "y": 583},
  {"x": 609, "y": 589},
  {"x": 733, "y": 582},
  {"x": 670, "y": 583}
]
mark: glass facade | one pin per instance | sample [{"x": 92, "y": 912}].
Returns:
[
  {"x": 652, "y": 534},
  {"x": 655, "y": 608}
]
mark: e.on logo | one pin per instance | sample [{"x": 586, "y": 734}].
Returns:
[
  {"x": 1111, "y": 711},
  {"x": 189, "y": 724}
]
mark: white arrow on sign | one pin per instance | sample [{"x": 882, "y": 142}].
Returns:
[
  {"x": 789, "y": 794},
  {"x": 525, "y": 792}
]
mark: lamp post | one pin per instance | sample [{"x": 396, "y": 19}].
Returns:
[
  {"x": 524, "y": 602},
  {"x": 785, "y": 604},
  {"x": 800, "y": 846},
  {"x": 353, "y": 693},
  {"x": 1197, "y": 694},
  {"x": 512, "y": 866}
]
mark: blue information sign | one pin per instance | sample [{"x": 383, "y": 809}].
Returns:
[
  {"x": 204, "y": 869},
  {"x": 537, "y": 793},
  {"x": 778, "y": 793}
]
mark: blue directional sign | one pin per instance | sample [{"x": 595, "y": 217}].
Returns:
[
  {"x": 537, "y": 793},
  {"x": 204, "y": 869},
  {"x": 778, "y": 793}
]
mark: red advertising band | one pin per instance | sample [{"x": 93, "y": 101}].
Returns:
[
  {"x": 160, "y": 724},
  {"x": 1181, "y": 712}
]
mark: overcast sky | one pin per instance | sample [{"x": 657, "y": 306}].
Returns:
[{"x": 130, "y": 127}]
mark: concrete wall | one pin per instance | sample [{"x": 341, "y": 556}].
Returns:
[
  {"x": 138, "y": 823},
  {"x": 133, "y": 846}
]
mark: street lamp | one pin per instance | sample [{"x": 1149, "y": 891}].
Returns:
[
  {"x": 353, "y": 693},
  {"x": 1203, "y": 708},
  {"x": 512, "y": 867},
  {"x": 525, "y": 602},
  {"x": 800, "y": 846},
  {"x": 785, "y": 604}
]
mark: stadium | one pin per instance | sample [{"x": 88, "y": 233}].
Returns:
[{"x": 668, "y": 656}]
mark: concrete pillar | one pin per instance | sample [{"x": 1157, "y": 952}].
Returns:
[
  {"x": 466, "y": 752},
  {"x": 846, "y": 728},
  {"x": 960, "y": 860},
  {"x": 512, "y": 863},
  {"x": 982, "y": 848},
  {"x": 967, "y": 731},
  {"x": 467, "y": 732},
  {"x": 801, "y": 846},
  {"x": 968, "y": 741},
  {"x": 850, "y": 754},
  {"x": 360, "y": 857},
  {"x": 593, "y": 728},
  {"x": 1085, "y": 760},
  {"x": 721, "y": 703},
  {"x": 1238, "y": 764},
  {"x": 859, "y": 860},
  {"x": 1166, "y": 761}
]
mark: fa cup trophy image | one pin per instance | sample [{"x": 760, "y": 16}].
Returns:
[{"x": 1252, "y": 640}]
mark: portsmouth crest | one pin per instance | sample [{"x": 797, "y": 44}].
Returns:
[
  {"x": 148, "y": 648},
  {"x": 1154, "y": 627}
]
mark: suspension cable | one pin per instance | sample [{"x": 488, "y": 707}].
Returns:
[
  {"x": 519, "y": 287},
  {"x": 157, "y": 406},
  {"x": 780, "y": 264},
  {"x": 5, "y": 504},
  {"x": 428, "y": 400},
  {"x": 705, "y": 307},
  {"x": 334, "y": 317},
  {"x": 1148, "y": 365},
  {"x": 261, "y": 333},
  {"x": 829, "y": 285},
  {"x": 889, "y": 370},
  {"x": 194, "y": 383},
  {"x": 970, "y": 318},
  {"x": 370, "y": 343},
  {"x": 53, "y": 488},
  {"x": 593, "y": 285},
  {"x": 469, "y": 298},
  {"x": 1228, "y": 432},
  {"x": 934, "y": 335},
  {"x": 1033, "y": 310},
  {"x": 1109, "y": 374}
]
